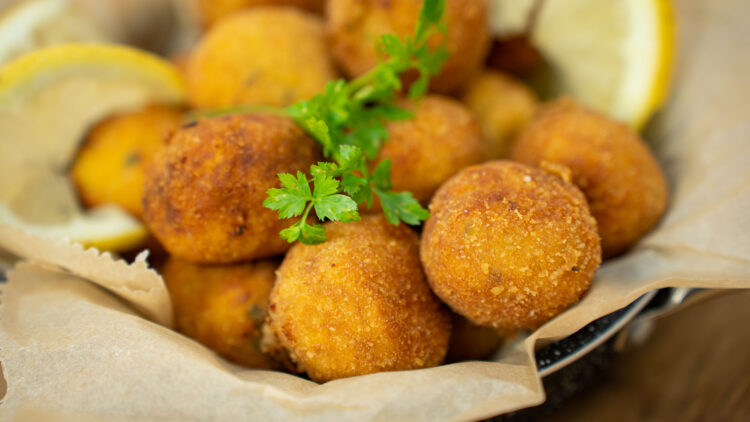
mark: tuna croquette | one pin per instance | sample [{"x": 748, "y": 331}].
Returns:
[
  {"x": 273, "y": 56},
  {"x": 110, "y": 166},
  {"x": 509, "y": 246},
  {"x": 623, "y": 183},
  {"x": 357, "y": 304},
  {"x": 503, "y": 106},
  {"x": 223, "y": 306},
  {"x": 204, "y": 191},
  {"x": 355, "y": 26},
  {"x": 440, "y": 140}
]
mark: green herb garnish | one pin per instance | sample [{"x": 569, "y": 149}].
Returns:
[{"x": 347, "y": 120}]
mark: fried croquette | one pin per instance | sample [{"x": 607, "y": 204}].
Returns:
[
  {"x": 110, "y": 166},
  {"x": 204, "y": 191},
  {"x": 509, "y": 246},
  {"x": 442, "y": 138},
  {"x": 223, "y": 306},
  {"x": 358, "y": 303},
  {"x": 503, "y": 106},
  {"x": 355, "y": 27},
  {"x": 272, "y": 56},
  {"x": 211, "y": 11},
  {"x": 472, "y": 342},
  {"x": 623, "y": 183}
]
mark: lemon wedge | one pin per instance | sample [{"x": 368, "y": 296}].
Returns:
[
  {"x": 614, "y": 56},
  {"x": 105, "y": 227},
  {"x": 48, "y": 100},
  {"x": 33, "y": 24}
]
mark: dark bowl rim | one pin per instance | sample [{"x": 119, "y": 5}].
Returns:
[{"x": 559, "y": 354}]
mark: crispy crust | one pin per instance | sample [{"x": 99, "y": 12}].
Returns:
[
  {"x": 354, "y": 27},
  {"x": 503, "y": 106},
  {"x": 223, "y": 306},
  {"x": 358, "y": 303},
  {"x": 268, "y": 55},
  {"x": 212, "y": 11},
  {"x": 111, "y": 164},
  {"x": 441, "y": 140},
  {"x": 622, "y": 181},
  {"x": 509, "y": 246},
  {"x": 204, "y": 192}
]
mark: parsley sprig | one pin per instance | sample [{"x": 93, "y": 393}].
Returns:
[{"x": 348, "y": 121}]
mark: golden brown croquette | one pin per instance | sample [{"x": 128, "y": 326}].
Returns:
[
  {"x": 110, "y": 166},
  {"x": 212, "y": 11},
  {"x": 509, "y": 246},
  {"x": 442, "y": 138},
  {"x": 622, "y": 181},
  {"x": 355, "y": 26},
  {"x": 204, "y": 191},
  {"x": 272, "y": 56},
  {"x": 473, "y": 342},
  {"x": 358, "y": 303},
  {"x": 503, "y": 106},
  {"x": 223, "y": 306}
]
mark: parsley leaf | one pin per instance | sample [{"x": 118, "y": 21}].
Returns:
[
  {"x": 381, "y": 175},
  {"x": 328, "y": 203},
  {"x": 305, "y": 233},
  {"x": 290, "y": 201},
  {"x": 337, "y": 208},
  {"x": 429, "y": 16},
  {"x": 401, "y": 206},
  {"x": 348, "y": 120}
]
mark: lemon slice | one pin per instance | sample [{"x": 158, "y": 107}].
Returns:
[
  {"x": 614, "y": 56},
  {"x": 34, "y": 24},
  {"x": 105, "y": 227},
  {"x": 48, "y": 100}
]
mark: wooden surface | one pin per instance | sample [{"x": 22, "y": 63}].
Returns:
[{"x": 694, "y": 367}]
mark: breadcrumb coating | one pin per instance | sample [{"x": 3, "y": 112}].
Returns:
[
  {"x": 223, "y": 306},
  {"x": 204, "y": 191},
  {"x": 623, "y": 183},
  {"x": 509, "y": 246},
  {"x": 110, "y": 166},
  {"x": 503, "y": 106},
  {"x": 358, "y": 303},
  {"x": 212, "y": 11},
  {"x": 273, "y": 56},
  {"x": 441, "y": 140},
  {"x": 355, "y": 26}
]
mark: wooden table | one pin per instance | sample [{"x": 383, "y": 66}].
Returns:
[{"x": 694, "y": 367}]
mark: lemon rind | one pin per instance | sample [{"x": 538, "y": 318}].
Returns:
[{"x": 16, "y": 76}]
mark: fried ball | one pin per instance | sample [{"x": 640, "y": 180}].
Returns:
[
  {"x": 358, "y": 303},
  {"x": 211, "y": 11},
  {"x": 472, "y": 342},
  {"x": 509, "y": 246},
  {"x": 271, "y": 56},
  {"x": 503, "y": 106},
  {"x": 110, "y": 166},
  {"x": 355, "y": 27},
  {"x": 223, "y": 306},
  {"x": 204, "y": 191},
  {"x": 622, "y": 181},
  {"x": 442, "y": 138}
]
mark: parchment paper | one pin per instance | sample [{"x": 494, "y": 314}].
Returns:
[{"x": 71, "y": 350}]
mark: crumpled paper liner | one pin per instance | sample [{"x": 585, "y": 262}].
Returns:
[
  {"x": 135, "y": 283},
  {"x": 73, "y": 351}
]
